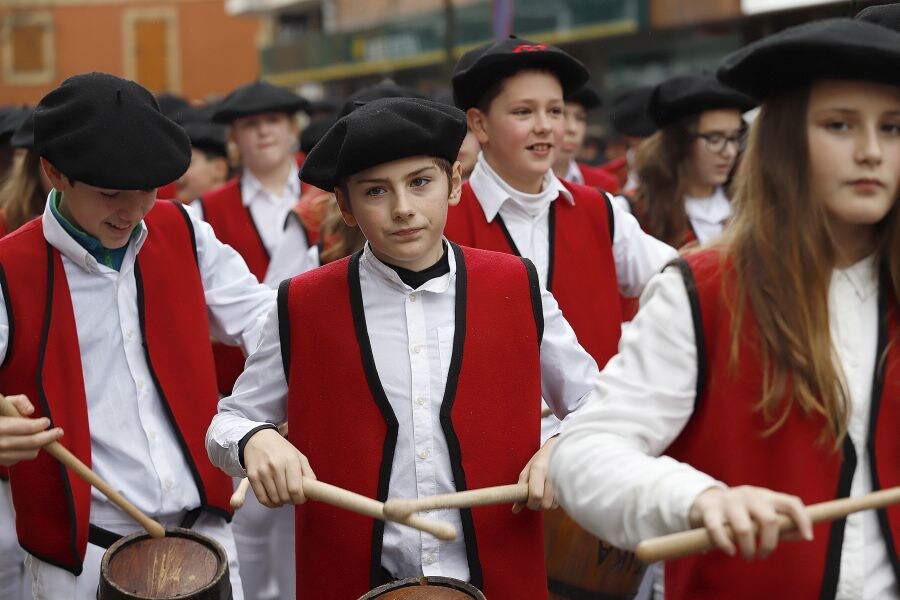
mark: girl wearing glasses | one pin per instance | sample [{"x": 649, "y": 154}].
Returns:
[
  {"x": 762, "y": 372},
  {"x": 683, "y": 168}
]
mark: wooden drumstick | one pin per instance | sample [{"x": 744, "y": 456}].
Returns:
[
  {"x": 684, "y": 543},
  {"x": 341, "y": 498},
  {"x": 60, "y": 453},
  {"x": 501, "y": 494},
  {"x": 240, "y": 494}
]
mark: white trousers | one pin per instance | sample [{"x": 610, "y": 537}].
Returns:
[
  {"x": 265, "y": 547},
  {"x": 52, "y": 583},
  {"x": 13, "y": 583}
]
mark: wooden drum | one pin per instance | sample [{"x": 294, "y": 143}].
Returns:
[
  {"x": 581, "y": 566},
  {"x": 426, "y": 588},
  {"x": 183, "y": 565}
]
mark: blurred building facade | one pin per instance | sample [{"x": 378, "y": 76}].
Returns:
[{"x": 192, "y": 48}]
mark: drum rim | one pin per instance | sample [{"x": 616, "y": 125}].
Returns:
[
  {"x": 435, "y": 580},
  {"x": 181, "y": 532}
]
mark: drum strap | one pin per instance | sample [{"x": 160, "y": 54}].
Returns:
[{"x": 104, "y": 538}]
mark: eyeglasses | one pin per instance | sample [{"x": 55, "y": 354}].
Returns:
[{"x": 716, "y": 141}]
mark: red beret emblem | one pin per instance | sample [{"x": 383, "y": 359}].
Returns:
[{"x": 530, "y": 47}]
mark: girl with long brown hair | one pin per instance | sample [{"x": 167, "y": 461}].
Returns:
[
  {"x": 23, "y": 192},
  {"x": 762, "y": 373},
  {"x": 683, "y": 168}
]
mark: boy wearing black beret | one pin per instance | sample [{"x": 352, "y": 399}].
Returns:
[
  {"x": 395, "y": 368},
  {"x": 575, "y": 110},
  {"x": 108, "y": 300}
]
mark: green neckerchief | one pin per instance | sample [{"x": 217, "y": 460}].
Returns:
[{"x": 112, "y": 258}]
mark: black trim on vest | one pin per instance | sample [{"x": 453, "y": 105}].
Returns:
[
  {"x": 537, "y": 307},
  {"x": 877, "y": 392},
  {"x": 697, "y": 317},
  {"x": 190, "y": 228},
  {"x": 551, "y": 244},
  {"x": 293, "y": 215},
  {"x": 45, "y": 405},
  {"x": 476, "y": 575},
  {"x": 195, "y": 472},
  {"x": 610, "y": 216},
  {"x": 836, "y": 532},
  {"x": 4, "y": 286},
  {"x": 390, "y": 419},
  {"x": 284, "y": 328},
  {"x": 507, "y": 235}
]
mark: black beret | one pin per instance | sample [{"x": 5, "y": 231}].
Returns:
[
  {"x": 210, "y": 137},
  {"x": 628, "y": 112},
  {"x": 257, "y": 98},
  {"x": 12, "y": 118},
  {"x": 325, "y": 106},
  {"x": 108, "y": 132},
  {"x": 383, "y": 131},
  {"x": 170, "y": 105},
  {"x": 23, "y": 137},
  {"x": 886, "y": 15},
  {"x": 314, "y": 131},
  {"x": 827, "y": 49},
  {"x": 481, "y": 68},
  {"x": 378, "y": 91},
  {"x": 684, "y": 95},
  {"x": 586, "y": 96}
]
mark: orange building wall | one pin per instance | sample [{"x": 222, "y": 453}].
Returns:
[{"x": 217, "y": 52}]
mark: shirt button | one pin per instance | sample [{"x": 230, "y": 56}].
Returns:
[
  {"x": 412, "y": 297},
  {"x": 140, "y": 385},
  {"x": 129, "y": 334},
  {"x": 420, "y": 400},
  {"x": 152, "y": 436},
  {"x": 168, "y": 485},
  {"x": 423, "y": 454},
  {"x": 429, "y": 560},
  {"x": 417, "y": 348}
]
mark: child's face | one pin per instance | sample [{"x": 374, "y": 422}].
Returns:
[
  {"x": 401, "y": 208},
  {"x": 853, "y": 133},
  {"x": 523, "y": 128},
  {"x": 575, "y": 129},
  {"x": 711, "y": 167},
  {"x": 202, "y": 175},
  {"x": 265, "y": 141},
  {"x": 108, "y": 215}
]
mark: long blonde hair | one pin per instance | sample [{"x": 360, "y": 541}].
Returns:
[
  {"x": 783, "y": 255},
  {"x": 21, "y": 195}
]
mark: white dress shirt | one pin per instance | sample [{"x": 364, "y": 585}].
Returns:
[
  {"x": 268, "y": 209},
  {"x": 574, "y": 173},
  {"x": 638, "y": 256},
  {"x": 708, "y": 216},
  {"x": 411, "y": 332},
  {"x": 133, "y": 445},
  {"x": 606, "y": 469}
]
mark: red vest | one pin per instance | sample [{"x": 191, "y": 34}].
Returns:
[
  {"x": 43, "y": 362},
  {"x": 342, "y": 421},
  {"x": 791, "y": 460},
  {"x": 598, "y": 178},
  {"x": 582, "y": 271},
  {"x": 617, "y": 168}
]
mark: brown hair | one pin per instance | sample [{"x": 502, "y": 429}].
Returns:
[
  {"x": 783, "y": 255},
  {"x": 338, "y": 238},
  {"x": 661, "y": 163},
  {"x": 21, "y": 195}
]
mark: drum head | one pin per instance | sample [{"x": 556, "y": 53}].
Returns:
[
  {"x": 182, "y": 564},
  {"x": 426, "y": 588}
]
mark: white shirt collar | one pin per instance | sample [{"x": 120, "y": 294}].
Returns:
[
  {"x": 438, "y": 285},
  {"x": 252, "y": 189},
  {"x": 862, "y": 276},
  {"x": 59, "y": 238},
  {"x": 574, "y": 174},
  {"x": 492, "y": 192},
  {"x": 715, "y": 209}
]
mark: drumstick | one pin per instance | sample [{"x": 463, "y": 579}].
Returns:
[
  {"x": 676, "y": 545},
  {"x": 240, "y": 494},
  {"x": 341, "y": 498},
  {"x": 501, "y": 494},
  {"x": 60, "y": 453}
]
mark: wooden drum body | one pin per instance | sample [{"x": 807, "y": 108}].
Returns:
[
  {"x": 183, "y": 565},
  {"x": 581, "y": 566},
  {"x": 426, "y": 588}
]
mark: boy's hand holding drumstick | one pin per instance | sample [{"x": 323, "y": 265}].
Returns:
[{"x": 22, "y": 437}]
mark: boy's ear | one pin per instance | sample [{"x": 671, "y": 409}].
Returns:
[
  {"x": 57, "y": 179},
  {"x": 344, "y": 204},
  {"x": 475, "y": 119},
  {"x": 455, "y": 184}
]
